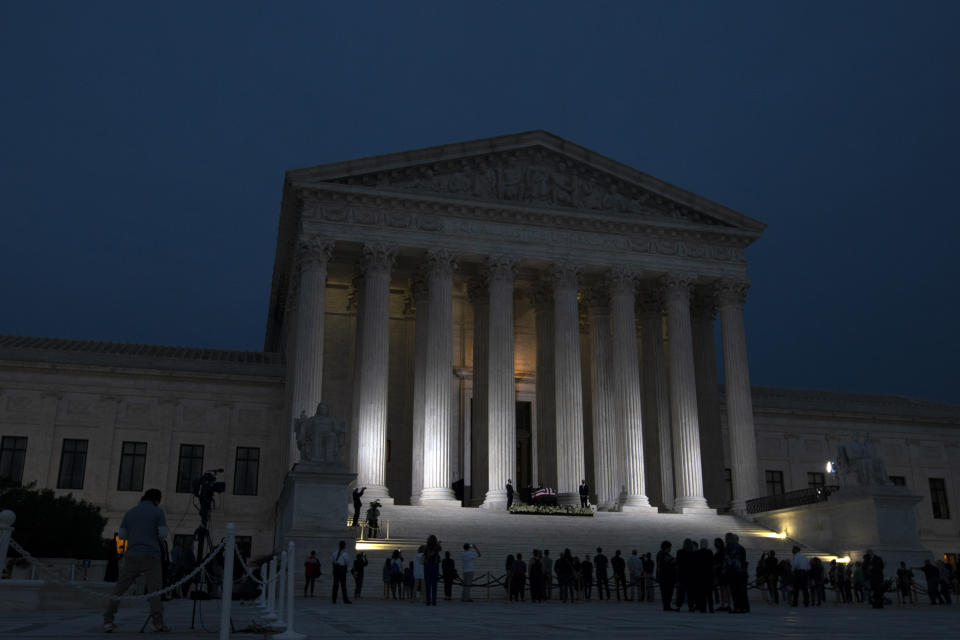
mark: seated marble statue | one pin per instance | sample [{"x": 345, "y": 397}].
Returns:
[
  {"x": 860, "y": 464},
  {"x": 320, "y": 438}
]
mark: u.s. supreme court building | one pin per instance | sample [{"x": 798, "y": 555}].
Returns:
[{"x": 517, "y": 307}]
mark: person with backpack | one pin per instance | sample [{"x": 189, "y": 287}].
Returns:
[{"x": 311, "y": 571}]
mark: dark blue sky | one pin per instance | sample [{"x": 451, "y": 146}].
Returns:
[{"x": 142, "y": 151}]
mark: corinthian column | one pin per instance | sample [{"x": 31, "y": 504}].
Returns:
[
  {"x": 501, "y": 402},
  {"x": 656, "y": 393},
  {"x": 418, "y": 289},
  {"x": 607, "y": 437},
  {"x": 371, "y": 375},
  {"x": 703, "y": 309},
  {"x": 479, "y": 441},
  {"x": 743, "y": 444},
  {"x": 688, "y": 480},
  {"x": 626, "y": 386},
  {"x": 307, "y": 370},
  {"x": 568, "y": 395},
  {"x": 438, "y": 399},
  {"x": 541, "y": 297}
]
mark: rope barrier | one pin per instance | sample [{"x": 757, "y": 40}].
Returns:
[
  {"x": 57, "y": 579},
  {"x": 249, "y": 572}
]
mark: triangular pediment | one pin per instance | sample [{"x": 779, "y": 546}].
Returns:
[{"x": 534, "y": 169}]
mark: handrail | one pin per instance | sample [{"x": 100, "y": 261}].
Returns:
[{"x": 810, "y": 495}]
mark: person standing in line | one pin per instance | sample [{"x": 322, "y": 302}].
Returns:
[
  {"x": 735, "y": 565},
  {"x": 801, "y": 577},
  {"x": 584, "y": 491},
  {"x": 600, "y": 564},
  {"x": 536, "y": 577},
  {"x": 684, "y": 574},
  {"x": 358, "y": 566},
  {"x": 467, "y": 562},
  {"x": 357, "y": 505},
  {"x": 720, "y": 574},
  {"x": 396, "y": 575},
  {"x": 386, "y": 578},
  {"x": 932, "y": 574},
  {"x": 635, "y": 570},
  {"x": 431, "y": 569},
  {"x": 666, "y": 574},
  {"x": 772, "y": 566},
  {"x": 509, "y": 493},
  {"x": 703, "y": 577},
  {"x": 586, "y": 577},
  {"x": 878, "y": 586},
  {"x": 547, "y": 574},
  {"x": 418, "y": 573},
  {"x": 905, "y": 584},
  {"x": 340, "y": 562},
  {"x": 144, "y": 527},
  {"x": 448, "y": 571},
  {"x": 619, "y": 567},
  {"x": 945, "y": 580},
  {"x": 649, "y": 582},
  {"x": 311, "y": 571},
  {"x": 565, "y": 576},
  {"x": 518, "y": 579}
]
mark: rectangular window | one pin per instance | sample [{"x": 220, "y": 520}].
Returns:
[
  {"x": 774, "y": 483},
  {"x": 190, "y": 466},
  {"x": 816, "y": 480},
  {"x": 938, "y": 498},
  {"x": 13, "y": 453},
  {"x": 73, "y": 463},
  {"x": 246, "y": 471},
  {"x": 133, "y": 461},
  {"x": 898, "y": 481}
]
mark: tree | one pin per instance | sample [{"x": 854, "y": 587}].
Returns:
[{"x": 51, "y": 526}]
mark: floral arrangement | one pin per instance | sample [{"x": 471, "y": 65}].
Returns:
[{"x": 551, "y": 510}]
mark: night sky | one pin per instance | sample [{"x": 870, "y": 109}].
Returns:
[{"x": 143, "y": 146}]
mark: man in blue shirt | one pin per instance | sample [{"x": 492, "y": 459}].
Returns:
[{"x": 143, "y": 528}]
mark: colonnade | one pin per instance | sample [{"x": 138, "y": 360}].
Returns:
[{"x": 667, "y": 397}]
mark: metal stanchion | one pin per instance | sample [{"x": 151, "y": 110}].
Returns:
[
  {"x": 272, "y": 593},
  {"x": 290, "y": 633},
  {"x": 281, "y": 589},
  {"x": 226, "y": 590}
]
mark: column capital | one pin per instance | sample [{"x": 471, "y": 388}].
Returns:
[
  {"x": 564, "y": 275},
  {"x": 650, "y": 299},
  {"x": 314, "y": 252},
  {"x": 440, "y": 262},
  {"x": 621, "y": 280},
  {"x": 500, "y": 268},
  {"x": 676, "y": 286},
  {"x": 731, "y": 291},
  {"x": 703, "y": 302},
  {"x": 541, "y": 295},
  {"x": 378, "y": 257},
  {"x": 477, "y": 291},
  {"x": 597, "y": 301}
]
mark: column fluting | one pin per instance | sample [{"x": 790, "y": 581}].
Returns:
[
  {"x": 688, "y": 476},
  {"x": 418, "y": 290},
  {"x": 743, "y": 445},
  {"x": 703, "y": 310},
  {"x": 626, "y": 383},
  {"x": 541, "y": 297},
  {"x": 568, "y": 396},
  {"x": 607, "y": 447},
  {"x": 656, "y": 391},
  {"x": 479, "y": 442},
  {"x": 374, "y": 338},
  {"x": 307, "y": 379},
  {"x": 438, "y": 400},
  {"x": 499, "y": 273}
]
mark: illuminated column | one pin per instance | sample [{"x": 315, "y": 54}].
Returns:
[
  {"x": 626, "y": 385},
  {"x": 703, "y": 309},
  {"x": 568, "y": 395},
  {"x": 688, "y": 477},
  {"x": 418, "y": 289},
  {"x": 479, "y": 452},
  {"x": 541, "y": 297},
  {"x": 656, "y": 390},
  {"x": 307, "y": 378},
  {"x": 438, "y": 398},
  {"x": 371, "y": 378},
  {"x": 743, "y": 445},
  {"x": 607, "y": 447},
  {"x": 501, "y": 399}
]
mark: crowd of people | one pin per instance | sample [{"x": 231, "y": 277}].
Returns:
[{"x": 700, "y": 576}]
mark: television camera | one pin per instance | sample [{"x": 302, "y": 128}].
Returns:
[{"x": 204, "y": 489}]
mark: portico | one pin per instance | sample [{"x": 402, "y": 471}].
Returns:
[{"x": 455, "y": 275}]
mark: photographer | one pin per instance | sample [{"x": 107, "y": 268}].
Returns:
[{"x": 143, "y": 527}]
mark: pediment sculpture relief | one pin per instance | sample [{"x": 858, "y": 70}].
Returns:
[{"x": 535, "y": 176}]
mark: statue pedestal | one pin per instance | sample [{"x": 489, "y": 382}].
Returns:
[
  {"x": 313, "y": 513},
  {"x": 879, "y": 517}
]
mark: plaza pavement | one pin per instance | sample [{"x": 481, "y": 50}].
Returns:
[{"x": 496, "y": 618}]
